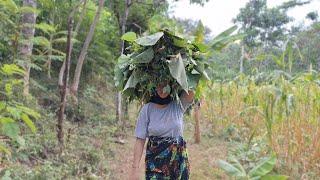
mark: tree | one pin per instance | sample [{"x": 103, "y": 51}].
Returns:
[
  {"x": 199, "y": 34},
  {"x": 84, "y": 50},
  {"x": 199, "y": 2},
  {"x": 309, "y": 43},
  {"x": 63, "y": 87},
  {"x": 191, "y": 28},
  {"x": 313, "y": 16},
  {"x": 26, "y": 44},
  {"x": 62, "y": 69},
  {"x": 263, "y": 26},
  {"x": 122, "y": 16}
]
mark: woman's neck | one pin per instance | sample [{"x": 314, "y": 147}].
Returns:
[{"x": 161, "y": 106}]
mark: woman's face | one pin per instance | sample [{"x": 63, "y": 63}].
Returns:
[{"x": 160, "y": 91}]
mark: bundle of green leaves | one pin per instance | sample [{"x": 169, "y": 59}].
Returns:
[{"x": 157, "y": 58}]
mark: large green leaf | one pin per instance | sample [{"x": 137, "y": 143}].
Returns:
[
  {"x": 123, "y": 61},
  {"x": 144, "y": 57},
  {"x": 129, "y": 36},
  {"x": 178, "y": 72},
  {"x": 200, "y": 67},
  {"x": 263, "y": 167},
  {"x": 132, "y": 81},
  {"x": 180, "y": 42},
  {"x": 120, "y": 68},
  {"x": 193, "y": 80},
  {"x": 232, "y": 170},
  {"x": 149, "y": 40},
  {"x": 237, "y": 164},
  {"x": 173, "y": 35},
  {"x": 118, "y": 77}
]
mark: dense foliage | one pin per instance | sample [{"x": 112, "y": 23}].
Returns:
[{"x": 161, "y": 57}]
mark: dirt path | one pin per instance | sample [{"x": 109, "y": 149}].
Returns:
[{"x": 203, "y": 158}]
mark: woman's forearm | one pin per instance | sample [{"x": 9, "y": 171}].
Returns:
[{"x": 138, "y": 150}]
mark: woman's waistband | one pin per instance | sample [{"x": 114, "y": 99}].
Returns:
[{"x": 169, "y": 139}]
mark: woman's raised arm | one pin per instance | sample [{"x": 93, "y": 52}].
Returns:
[{"x": 188, "y": 96}]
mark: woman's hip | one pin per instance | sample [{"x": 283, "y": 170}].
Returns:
[{"x": 167, "y": 157}]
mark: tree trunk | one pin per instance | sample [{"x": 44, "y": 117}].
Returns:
[
  {"x": 64, "y": 80},
  {"x": 63, "y": 88},
  {"x": 62, "y": 69},
  {"x": 242, "y": 58},
  {"x": 197, "y": 133},
  {"x": 122, "y": 22},
  {"x": 84, "y": 50},
  {"x": 26, "y": 45},
  {"x": 119, "y": 108}
]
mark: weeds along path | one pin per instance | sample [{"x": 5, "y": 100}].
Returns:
[{"x": 203, "y": 159}]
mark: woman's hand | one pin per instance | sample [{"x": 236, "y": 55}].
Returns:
[
  {"x": 188, "y": 96},
  {"x": 137, "y": 153}
]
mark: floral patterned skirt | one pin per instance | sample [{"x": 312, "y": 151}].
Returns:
[{"x": 167, "y": 158}]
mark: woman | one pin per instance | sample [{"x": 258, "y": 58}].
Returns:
[{"x": 161, "y": 120}]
